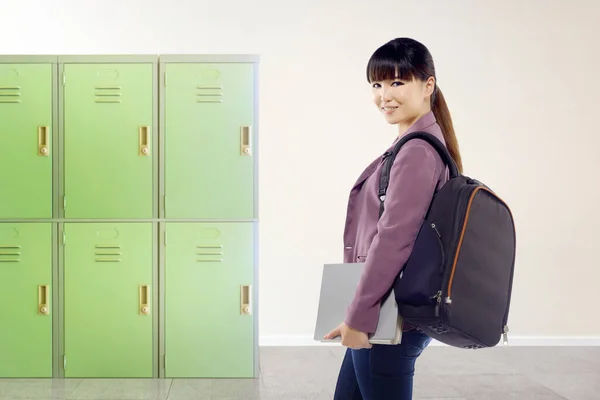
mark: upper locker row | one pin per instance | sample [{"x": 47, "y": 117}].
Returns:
[{"x": 81, "y": 140}]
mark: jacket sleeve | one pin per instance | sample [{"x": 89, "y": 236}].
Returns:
[{"x": 413, "y": 180}]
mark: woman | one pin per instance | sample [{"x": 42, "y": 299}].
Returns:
[{"x": 403, "y": 79}]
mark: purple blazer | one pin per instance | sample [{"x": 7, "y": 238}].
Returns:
[{"x": 384, "y": 245}]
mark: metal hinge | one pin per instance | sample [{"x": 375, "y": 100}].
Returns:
[
  {"x": 165, "y": 78},
  {"x": 65, "y": 362},
  {"x": 64, "y": 203},
  {"x": 64, "y": 238},
  {"x": 165, "y": 238},
  {"x": 64, "y": 79},
  {"x": 164, "y": 205}
]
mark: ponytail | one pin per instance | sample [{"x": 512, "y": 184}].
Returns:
[{"x": 442, "y": 115}]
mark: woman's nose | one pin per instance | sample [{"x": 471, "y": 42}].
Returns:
[{"x": 385, "y": 95}]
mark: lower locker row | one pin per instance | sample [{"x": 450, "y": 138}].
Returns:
[{"x": 108, "y": 281}]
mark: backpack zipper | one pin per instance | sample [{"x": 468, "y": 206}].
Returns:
[
  {"x": 462, "y": 234},
  {"x": 448, "y": 299},
  {"x": 473, "y": 191}
]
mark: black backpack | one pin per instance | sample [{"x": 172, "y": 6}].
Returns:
[{"x": 456, "y": 285}]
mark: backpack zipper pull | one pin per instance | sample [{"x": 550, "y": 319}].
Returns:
[{"x": 438, "y": 298}]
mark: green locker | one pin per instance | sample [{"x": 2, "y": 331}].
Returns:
[
  {"x": 26, "y": 101},
  {"x": 79, "y": 139},
  {"x": 209, "y": 312},
  {"x": 25, "y": 298},
  {"x": 108, "y": 313},
  {"x": 108, "y": 135},
  {"x": 209, "y": 141}
]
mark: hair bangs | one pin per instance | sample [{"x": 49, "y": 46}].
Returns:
[{"x": 384, "y": 65}]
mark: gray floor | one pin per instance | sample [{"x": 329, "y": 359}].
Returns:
[{"x": 309, "y": 373}]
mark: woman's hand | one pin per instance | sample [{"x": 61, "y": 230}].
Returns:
[{"x": 350, "y": 337}]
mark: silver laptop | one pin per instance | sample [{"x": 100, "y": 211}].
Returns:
[{"x": 338, "y": 286}]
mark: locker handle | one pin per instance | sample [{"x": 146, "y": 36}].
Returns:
[
  {"x": 246, "y": 300},
  {"x": 246, "y": 148},
  {"x": 144, "y": 138},
  {"x": 43, "y": 297},
  {"x": 144, "y": 306},
  {"x": 43, "y": 139}
]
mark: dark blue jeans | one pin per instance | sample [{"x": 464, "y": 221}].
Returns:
[{"x": 383, "y": 372}]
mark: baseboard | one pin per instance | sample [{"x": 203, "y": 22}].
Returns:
[{"x": 537, "y": 341}]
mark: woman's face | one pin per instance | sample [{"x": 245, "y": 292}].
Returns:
[{"x": 401, "y": 101}]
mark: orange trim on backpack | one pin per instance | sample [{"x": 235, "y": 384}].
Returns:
[{"x": 462, "y": 233}]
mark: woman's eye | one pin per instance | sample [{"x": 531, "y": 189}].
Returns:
[
  {"x": 376, "y": 85},
  {"x": 397, "y": 83}
]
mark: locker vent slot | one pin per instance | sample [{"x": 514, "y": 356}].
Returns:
[
  {"x": 206, "y": 94},
  {"x": 108, "y": 253},
  {"x": 108, "y": 94},
  {"x": 211, "y": 253},
  {"x": 10, "y": 254},
  {"x": 10, "y": 94}
]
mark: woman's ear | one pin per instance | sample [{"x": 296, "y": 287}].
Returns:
[{"x": 430, "y": 86}]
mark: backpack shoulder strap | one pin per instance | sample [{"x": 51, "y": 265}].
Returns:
[{"x": 389, "y": 157}]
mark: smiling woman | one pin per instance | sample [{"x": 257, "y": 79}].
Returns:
[
  {"x": 402, "y": 73},
  {"x": 402, "y": 76}
]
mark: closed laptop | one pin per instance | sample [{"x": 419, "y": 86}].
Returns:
[{"x": 338, "y": 286}]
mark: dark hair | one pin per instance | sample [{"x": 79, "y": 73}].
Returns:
[{"x": 407, "y": 59}]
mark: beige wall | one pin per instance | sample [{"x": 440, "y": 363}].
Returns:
[{"x": 520, "y": 77}]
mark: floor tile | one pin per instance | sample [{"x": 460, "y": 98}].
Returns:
[
  {"x": 507, "y": 387},
  {"x": 217, "y": 389},
  {"x": 454, "y": 361},
  {"x": 431, "y": 386},
  {"x": 122, "y": 389},
  {"x": 572, "y": 386},
  {"x": 439, "y": 398},
  {"x": 38, "y": 388},
  {"x": 546, "y": 360}
]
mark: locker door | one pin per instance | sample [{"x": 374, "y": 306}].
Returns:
[
  {"x": 108, "y": 111},
  {"x": 209, "y": 111},
  {"x": 209, "y": 268},
  {"x": 25, "y": 140},
  {"x": 25, "y": 298},
  {"x": 108, "y": 282}
]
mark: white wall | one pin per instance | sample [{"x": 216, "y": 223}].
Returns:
[{"x": 520, "y": 79}]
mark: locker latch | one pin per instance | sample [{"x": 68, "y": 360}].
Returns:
[
  {"x": 246, "y": 300},
  {"x": 144, "y": 140},
  {"x": 144, "y": 306},
  {"x": 246, "y": 148},
  {"x": 43, "y": 139},
  {"x": 43, "y": 300}
]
